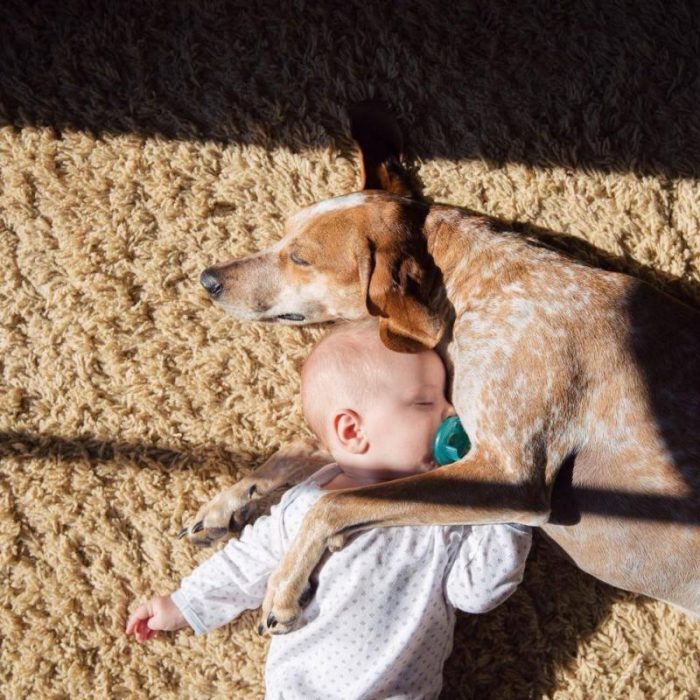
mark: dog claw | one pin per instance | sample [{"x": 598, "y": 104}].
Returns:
[
  {"x": 261, "y": 629},
  {"x": 182, "y": 533},
  {"x": 271, "y": 621},
  {"x": 197, "y": 527}
]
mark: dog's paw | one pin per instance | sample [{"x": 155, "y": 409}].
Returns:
[
  {"x": 282, "y": 608},
  {"x": 203, "y": 532},
  {"x": 226, "y": 514}
]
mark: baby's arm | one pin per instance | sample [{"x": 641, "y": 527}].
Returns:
[
  {"x": 218, "y": 590},
  {"x": 488, "y": 567}
]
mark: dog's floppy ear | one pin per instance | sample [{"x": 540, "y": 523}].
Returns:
[
  {"x": 399, "y": 289},
  {"x": 380, "y": 145}
]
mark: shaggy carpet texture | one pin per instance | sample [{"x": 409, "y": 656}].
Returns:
[{"x": 141, "y": 142}]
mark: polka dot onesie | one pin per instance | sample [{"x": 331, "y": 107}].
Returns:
[{"x": 381, "y": 622}]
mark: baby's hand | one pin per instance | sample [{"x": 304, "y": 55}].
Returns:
[{"x": 159, "y": 613}]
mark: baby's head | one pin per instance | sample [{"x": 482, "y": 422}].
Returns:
[{"x": 375, "y": 410}]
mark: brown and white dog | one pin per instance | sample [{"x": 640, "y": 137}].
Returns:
[{"x": 579, "y": 388}]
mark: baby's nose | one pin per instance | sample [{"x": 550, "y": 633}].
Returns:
[{"x": 448, "y": 411}]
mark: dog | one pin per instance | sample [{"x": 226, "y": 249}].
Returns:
[{"x": 579, "y": 387}]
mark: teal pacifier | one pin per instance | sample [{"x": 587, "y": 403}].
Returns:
[{"x": 450, "y": 442}]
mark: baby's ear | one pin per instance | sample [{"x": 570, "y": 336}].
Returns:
[{"x": 347, "y": 425}]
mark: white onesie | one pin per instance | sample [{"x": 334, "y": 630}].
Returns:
[{"x": 381, "y": 621}]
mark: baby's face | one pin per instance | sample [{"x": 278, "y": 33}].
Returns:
[{"x": 404, "y": 414}]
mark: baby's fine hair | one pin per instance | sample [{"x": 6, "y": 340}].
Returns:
[{"x": 342, "y": 369}]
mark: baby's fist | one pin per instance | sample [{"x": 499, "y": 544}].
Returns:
[{"x": 159, "y": 613}]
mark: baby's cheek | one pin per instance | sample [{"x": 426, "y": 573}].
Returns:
[{"x": 419, "y": 443}]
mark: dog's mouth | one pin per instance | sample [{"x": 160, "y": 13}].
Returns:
[{"x": 298, "y": 318}]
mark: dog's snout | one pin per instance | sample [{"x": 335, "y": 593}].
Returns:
[{"x": 211, "y": 282}]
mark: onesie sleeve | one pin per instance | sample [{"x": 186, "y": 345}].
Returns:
[
  {"x": 235, "y": 578},
  {"x": 488, "y": 565}
]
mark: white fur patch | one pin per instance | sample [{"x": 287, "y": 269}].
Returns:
[
  {"x": 346, "y": 201},
  {"x": 343, "y": 202}
]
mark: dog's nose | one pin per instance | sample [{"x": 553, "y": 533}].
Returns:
[{"x": 211, "y": 283}]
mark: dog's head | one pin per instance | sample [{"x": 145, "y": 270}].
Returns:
[{"x": 350, "y": 256}]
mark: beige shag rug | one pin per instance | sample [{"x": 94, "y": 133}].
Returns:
[{"x": 141, "y": 142}]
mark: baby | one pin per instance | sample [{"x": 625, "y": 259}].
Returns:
[{"x": 381, "y": 621}]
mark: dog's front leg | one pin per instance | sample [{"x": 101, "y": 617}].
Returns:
[
  {"x": 471, "y": 491},
  {"x": 232, "y": 509}
]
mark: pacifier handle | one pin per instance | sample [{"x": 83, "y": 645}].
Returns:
[{"x": 451, "y": 442}]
